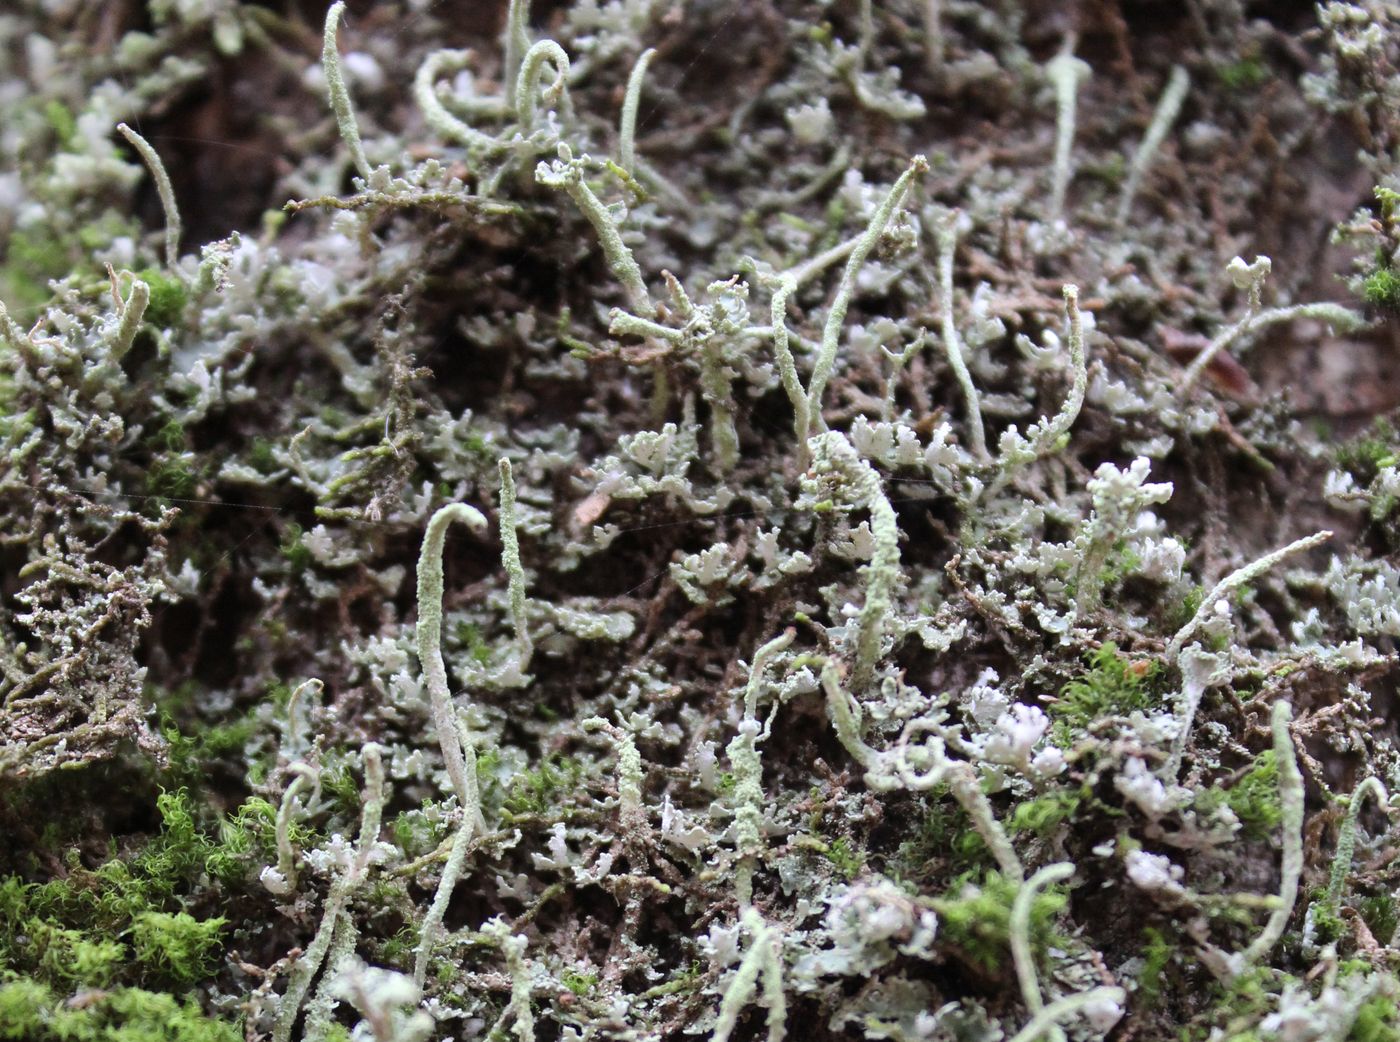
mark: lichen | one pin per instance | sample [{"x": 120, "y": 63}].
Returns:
[{"x": 893, "y": 605}]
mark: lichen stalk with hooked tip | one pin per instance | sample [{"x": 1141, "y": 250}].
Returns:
[
  {"x": 458, "y": 753},
  {"x": 1020, "y": 934},
  {"x": 527, "y": 86},
  {"x": 460, "y": 763},
  {"x": 1232, "y": 582},
  {"x": 165, "y": 190},
  {"x": 627, "y": 127},
  {"x": 1346, "y": 841},
  {"x": 338, "y": 93},
  {"x": 435, "y": 114}
]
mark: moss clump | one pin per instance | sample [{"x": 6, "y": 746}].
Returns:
[
  {"x": 976, "y": 917},
  {"x": 1043, "y": 814},
  {"x": 1113, "y": 686},
  {"x": 1381, "y": 289},
  {"x": 33, "y": 1012},
  {"x": 168, "y": 298}
]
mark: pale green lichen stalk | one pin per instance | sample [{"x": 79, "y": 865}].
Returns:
[{"x": 339, "y": 93}]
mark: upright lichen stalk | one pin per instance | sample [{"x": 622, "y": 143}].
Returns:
[
  {"x": 834, "y": 456},
  {"x": 338, "y": 93},
  {"x": 1290, "y": 789},
  {"x": 458, "y": 753},
  {"x": 515, "y": 571},
  {"x": 164, "y": 189},
  {"x": 836, "y": 315},
  {"x": 952, "y": 343}
]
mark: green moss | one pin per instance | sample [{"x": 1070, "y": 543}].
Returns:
[
  {"x": 1366, "y": 454},
  {"x": 1376, "y": 1021},
  {"x": 261, "y": 456},
  {"x": 1113, "y": 686},
  {"x": 976, "y": 917},
  {"x": 416, "y": 833},
  {"x": 172, "y": 476},
  {"x": 542, "y": 788},
  {"x": 1044, "y": 813},
  {"x": 1243, "y": 75},
  {"x": 1380, "y": 915},
  {"x": 176, "y": 946},
  {"x": 1381, "y": 289},
  {"x": 32, "y": 1012},
  {"x": 293, "y": 549},
  {"x": 1236, "y": 1008},
  {"x": 168, "y": 298},
  {"x": 1156, "y": 956},
  {"x": 194, "y": 751},
  {"x": 845, "y": 858},
  {"x": 579, "y": 983},
  {"x": 469, "y": 635},
  {"x": 1255, "y": 798}
]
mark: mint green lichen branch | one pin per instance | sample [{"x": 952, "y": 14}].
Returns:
[
  {"x": 747, "y": 765},
  {"x": 1020, "y": 932},
  {"x": 334, "y": 919},
  {"x": 435, "y": 114},
  {"x": 1232, "y": 582},
  {"x": 952, "y": 343},
  {"x": 515, "y": 572},
  {"x": 163, "y": 189},
  {"x": 1058, "y": 427},
  {"x": 1163, "y": 117},
  {"x": 458, "y": 753},
  {"x": 836, "y": 316},
  {"x": 1290, "y": 788},
  {"x": 833, "y": 454},
  {"x": 1066, "y": 73},
  {"x": 1346, "y": 842},
  {"x": 762, "y": 959},
  {"x": 429, "y": 633},
  {"x": 306, "y": 776},
  {"x": 1062, "y": 1009},
  {"x": 1341, "y": 318},
  {"x": 338, "y": 93},
  {"x": 527, "y": 86},
  {"x": 513, "y": 947},
  {"x": 566, "y": 172},
  {"x": 133, "y": 310},
  {"x": 515, "y": 43},
  {"x": 627, "y": 128},
  {"x": 784, "y": 286}
]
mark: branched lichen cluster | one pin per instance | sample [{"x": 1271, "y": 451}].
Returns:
[{"x": 887, "y": 603}]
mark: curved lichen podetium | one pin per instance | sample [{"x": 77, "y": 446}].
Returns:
[
  {"x": 458, "y": 756},
  {"x": 429, "y": 633}
]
